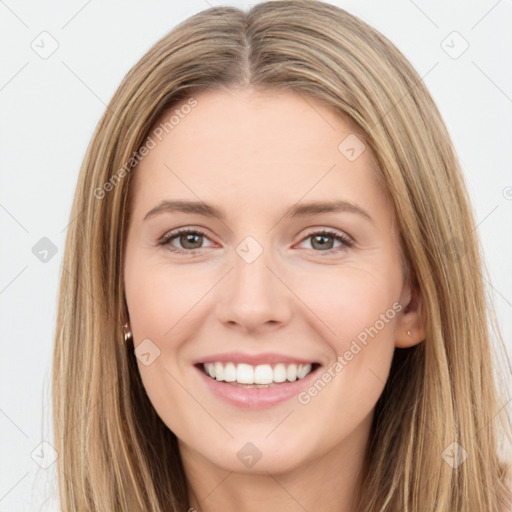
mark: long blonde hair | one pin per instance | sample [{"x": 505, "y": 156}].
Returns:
[{"x": 115, "y": 453}]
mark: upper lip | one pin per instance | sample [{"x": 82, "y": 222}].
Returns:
[{"x": 253, "y": 359}]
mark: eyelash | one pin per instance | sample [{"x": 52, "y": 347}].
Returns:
[{"x": 346, "y": 241}]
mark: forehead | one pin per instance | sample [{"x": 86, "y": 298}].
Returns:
[
  {"x": 272, "y": 122},
  {"x": 261, "y": 144}
]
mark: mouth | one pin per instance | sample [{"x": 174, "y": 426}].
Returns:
[{"x": 245, "y": 375}]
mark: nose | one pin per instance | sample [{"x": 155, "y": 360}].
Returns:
[{"x": 253, "y": 296}]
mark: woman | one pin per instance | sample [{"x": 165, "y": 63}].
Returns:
[{"x": 322, "y": 344}]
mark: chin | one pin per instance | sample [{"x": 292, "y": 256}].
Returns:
[{"x": 259, "y": 456}]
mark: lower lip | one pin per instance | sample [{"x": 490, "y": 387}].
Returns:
[{"x": 256, "y": 398}]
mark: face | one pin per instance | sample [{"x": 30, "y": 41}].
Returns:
[{"x": 257, "y": 286}]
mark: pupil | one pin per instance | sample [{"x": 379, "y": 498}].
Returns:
[
  {"x": 322, "y": 237},
  {"x": 189, "y": 238}
]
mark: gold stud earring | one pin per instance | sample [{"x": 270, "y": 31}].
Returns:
[{"x": 127, "y": 333}]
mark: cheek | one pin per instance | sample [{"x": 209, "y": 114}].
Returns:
[
  {"x": 350, "y": 300},
  {"x": 160, "y": 296},
  {"x": 160, "y": 302},
  {"x": 359, "y": 307}
]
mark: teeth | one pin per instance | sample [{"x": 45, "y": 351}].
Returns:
[
  {"x": 262, "y": 374},
  {"x": 291, "y": 372},
  {"x": 244, "y": 374},
  {"x": 219, "y": 371},
  {"x": 279, "y": 372},
  {"x": 230, "y": 373}
]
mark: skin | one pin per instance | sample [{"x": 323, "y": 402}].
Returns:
[{"x": 253, "y": 153}]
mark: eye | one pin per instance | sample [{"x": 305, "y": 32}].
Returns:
[
  {"x": 189, "y": 239},
  {"x": 322, "y": 241}
]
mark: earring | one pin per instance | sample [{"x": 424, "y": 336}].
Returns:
[
  {"x": 127, "y": 333},
  {"x": 409, "y": 333}
]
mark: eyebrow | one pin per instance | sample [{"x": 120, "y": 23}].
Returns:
[{"x": 296, "y": 210}]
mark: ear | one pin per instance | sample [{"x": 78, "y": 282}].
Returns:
[{"x": 412, "y": 318}]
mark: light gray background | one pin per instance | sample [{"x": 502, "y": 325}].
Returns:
[{"x": 50, "y": 107}]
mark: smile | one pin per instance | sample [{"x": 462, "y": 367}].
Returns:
[
  {"x": 255, "y": 386},
  {"x": 261, "y": 375}
]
